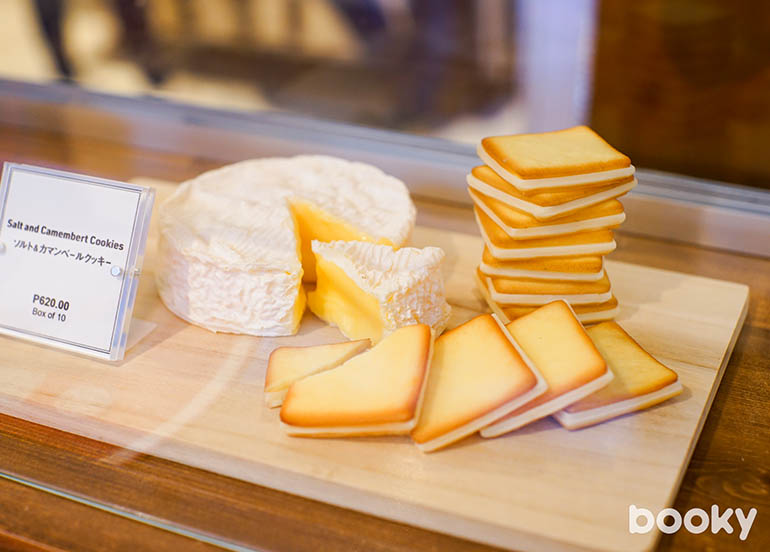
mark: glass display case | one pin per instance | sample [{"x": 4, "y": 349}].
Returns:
[{"x": 174, "y": 447}]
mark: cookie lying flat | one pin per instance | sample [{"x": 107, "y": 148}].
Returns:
[
  {"x": 560, "y": 349},
  {"x": 506, "y": 292},
  {"x": 519, "y": 225},
  {"x": 587, "y": 268},
  {"x": 545, "y": 205},
  {"x": 289, "y": 364},
  {"x": 478, "y": 375},
  {"x": 379, "y": 392},
  {"x": 640, "y": 380},
  {"x": 564, "y": 158},
  {"x": 503, "y": 247}
]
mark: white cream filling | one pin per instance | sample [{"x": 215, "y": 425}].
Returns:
[
  {"x": 463, "y": 431},
  {"x": 544, "y": 213},
  {"x": 547, "y": 408},
  {"x": 345, "y": 431},
  {"x": 541, "y": 274},
  {"x": 396, "y": 428},
  {"x": 498, "y": 312},
  {"x": 550, "y": 229},
  {"x": 601, "y": 248},
  {"x": 528, "y": 184},
  {"x": 576, "y": 420}
]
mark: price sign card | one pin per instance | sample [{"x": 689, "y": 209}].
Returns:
[{"x": 71, "y": 250}]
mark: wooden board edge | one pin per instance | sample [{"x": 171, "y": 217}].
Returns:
[
  {"x": 707, "y": 407},
  {"x": 369, "y": 503},
  {"x": 333, "y": 493}
]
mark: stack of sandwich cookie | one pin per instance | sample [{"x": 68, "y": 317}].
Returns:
[{"x": 546, "y": 205}]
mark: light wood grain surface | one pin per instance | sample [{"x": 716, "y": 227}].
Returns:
[{"x": 196, "y": 397}]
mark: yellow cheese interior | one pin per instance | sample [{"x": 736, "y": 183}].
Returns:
[
  {"x": 338, "y": 300},
  {"x": 316, "y": 224}
]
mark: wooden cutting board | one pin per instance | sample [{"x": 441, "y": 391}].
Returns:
[{"x": 196, "y": 397}]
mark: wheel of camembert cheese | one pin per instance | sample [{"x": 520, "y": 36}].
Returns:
[{"x": 235, "y": 242}]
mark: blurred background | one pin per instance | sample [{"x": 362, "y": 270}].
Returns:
[{"x": 679, "y": 85}]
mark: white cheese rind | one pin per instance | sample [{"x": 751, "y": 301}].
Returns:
[
  {"x": 357, "y": 193},
  {"x": 407, "y": 282},
  {"x": 222, "y": 300}
]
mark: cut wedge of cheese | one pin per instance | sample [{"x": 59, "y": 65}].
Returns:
[
  {"x": 564, "y": 158},
  {"x": 478, "y": 375},
  {"x": 379, "y": 392},
  {"x": 640, "y": 380},
  {"x": 587, "y": 268},
  {"x": 289, "y": 364},
  {"x": 519, "y": 225},
  {"x": 558, "y": 346},
  {"x": 235, "y": 242},
  {"x": 503, "y": 247},
  {"x": 370, "y": 290},
  {"x": 545, "y": 205}
]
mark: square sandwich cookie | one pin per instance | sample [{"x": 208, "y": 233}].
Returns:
[
  {"x": 289, "y": 364},
  {"x": 586, "y": 314},
  {"x": 378, "y": 392},
  {"x": 567, "y": 158},
  {"x": 560, "y": 349},
  {"x": 519, "y": 225},
  {"x": 545, "y": 205},
  {"x": 586, "y": 268},
  {"x": 505, "y": 291},
  {"x": 503, "y": 247},
  {"x": 479, "y": 374},
  {"x": 640, "y": 380}
]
